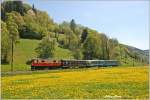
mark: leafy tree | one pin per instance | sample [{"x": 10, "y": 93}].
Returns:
[
  {"x": 5, "y": 43},
  {"x": 77, "y": 53},
  {"x": 120, "y": 50},
  {"x": 68, "y": 36},
  {"x": 36, "y": 27},
  {"x": 126, "y": 52},
  {"x": 46, "y": 48},
  {"x": 57, "y": 31},
  {"x": 65, "y": 24},
  {"x": 78, "y": 33},
  {"x": 13, "y": 34},
  {"x": 73, "y": 42},
  {"x": 104, "y": 46},
  {"x": 3, "y": 14},
  {"x": 18, "y": 20},
  {"x": 9, "y": 6},
  {"x": 90, "y": 47},
  {"x": 6, "y": 6},
  {"x": 113, "y": 45},
  {"x": 30, "y": 29},
  {"x": 44, "y": 20},
  {"x": 18, "y": 6}
]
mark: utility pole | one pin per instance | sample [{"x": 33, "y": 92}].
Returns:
[
  {"x": 12, "y": 49},
  {"x": 133, "y": 61}
]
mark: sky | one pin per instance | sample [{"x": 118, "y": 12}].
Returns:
[{"x": 128, "y": 21}]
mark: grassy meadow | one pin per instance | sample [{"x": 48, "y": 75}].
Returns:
[{"x": 92, "y": 83}]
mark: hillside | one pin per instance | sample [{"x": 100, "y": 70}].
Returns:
[{"x": 25, "y": 50}]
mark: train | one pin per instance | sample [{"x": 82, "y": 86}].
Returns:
[{"x": 40, "y": 64}]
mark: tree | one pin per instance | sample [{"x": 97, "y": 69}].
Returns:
[
  {"x": 84, "y": 35},
  {"x": 73, "y": 42},
  {"x": 126, "y": 52},
  {"x": 73, "y": 25},
  {"x": 77, "y": 53},
  {"x": 46, "y": 48},
  {"x": 13, "y": 34},
  {"x": 120, "y": 50},
  {"x": 34, "y": 9},
  {"x": 36, "y": 27},
  {"x": 5, "y": 43},
  {"x": 134, "y": 58},
  {"x": 18, "y": 6},
  {"x": 18, "y": 20},
  {"x": 104, "y": 46},
  {"x": 3, "y": 14},
  {"x": 90, "y": 47},
  {"x": 78, "y": 33},
  {"x": 9, "y": 6},
  {"x": 113, "y": 44},
  {"x": 57, "y": 30},
  {"x": 68, "y": 36}
]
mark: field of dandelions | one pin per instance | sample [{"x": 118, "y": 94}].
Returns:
[{"x": 113, "y": 82}]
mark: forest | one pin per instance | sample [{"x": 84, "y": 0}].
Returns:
[{"x": 23, "y": 21}]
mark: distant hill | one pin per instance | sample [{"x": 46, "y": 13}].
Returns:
[{"x": 142, "y": 53}]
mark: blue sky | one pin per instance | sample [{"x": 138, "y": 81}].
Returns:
[{"x": 128, "y": 21}]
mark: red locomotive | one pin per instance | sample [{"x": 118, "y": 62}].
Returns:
[{"x": 45, "y": 64}]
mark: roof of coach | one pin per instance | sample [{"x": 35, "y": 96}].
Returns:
[{"x": 86, "y": 60}]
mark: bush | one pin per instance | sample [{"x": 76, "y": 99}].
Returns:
[{"x": 26, "y": 32}]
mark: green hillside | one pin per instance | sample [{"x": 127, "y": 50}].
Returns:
[
  {"x": 32, "y": 25},
  {"x": 25, "y": 50}
]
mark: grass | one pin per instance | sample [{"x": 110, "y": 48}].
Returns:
[
  {"x": 92, "y": 83},
  {"x": 25, "y": 50}
]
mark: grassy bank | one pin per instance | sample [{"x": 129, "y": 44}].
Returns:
[{"x": 25, "y": 50}]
